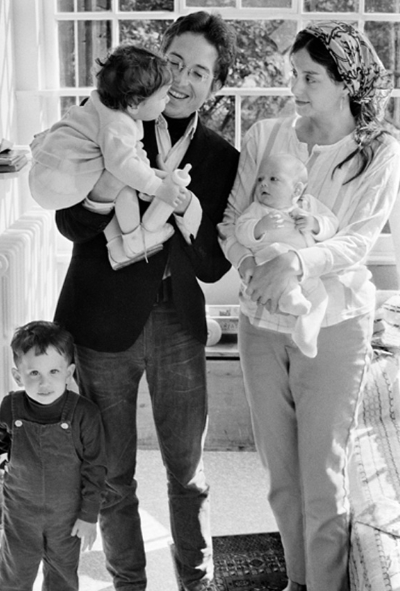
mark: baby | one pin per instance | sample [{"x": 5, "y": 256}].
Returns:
[
  {"x": 105, "y": 133},
  {"x": 281, "y": 218}
]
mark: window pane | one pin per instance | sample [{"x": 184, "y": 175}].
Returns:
[
  {"x": 83, "y": 5},
  {"x": 66, "y": 102},
  {"x": 262, "y": 52},
  {"x": 65, "y": 5},
  {"x": 219, "y": 114},
  {"x": 245, "y": 3},
  {"x": 392, "y": 117},
  {"x": 331, "y": 5},
  {"x": 255, "y": 108},
  {"x": 385, "y": 37},
  {"x": 143, "y": 5},
  {"x": 382, "y": 6},
  {"x": 146, "y": 33},
  {"x": 267, "y": 3},
  {"x": 66, "y": 48},
  {"x": 210, "y": 3},
  {"x": 94, "y": 40}
]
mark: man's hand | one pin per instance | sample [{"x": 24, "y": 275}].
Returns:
[
  {"x": 186, "y": 196},
  {"x": 86, "y": 531}
]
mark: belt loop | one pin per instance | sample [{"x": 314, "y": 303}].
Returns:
[{"x": 164, "y": 293}]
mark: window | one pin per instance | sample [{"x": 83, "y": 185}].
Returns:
[
  {"x": 70, "y": 34},
  {"x": 258, "y": 86}
]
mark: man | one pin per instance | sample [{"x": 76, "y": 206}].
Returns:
[{"x": 150, "y": 316}]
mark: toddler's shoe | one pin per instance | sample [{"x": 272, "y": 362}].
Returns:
[{"x": 141, "y": 243}]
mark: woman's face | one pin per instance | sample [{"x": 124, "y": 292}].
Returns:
[
  {"x": 314, "y": 91},
  {"x": 195, "y": 55}
]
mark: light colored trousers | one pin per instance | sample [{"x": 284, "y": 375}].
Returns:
[{"x": 303, "y": 411}]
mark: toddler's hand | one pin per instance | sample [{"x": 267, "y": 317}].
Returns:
[
  {"x": 86, "y": 531},
  {"x": 169, "y": 192}
]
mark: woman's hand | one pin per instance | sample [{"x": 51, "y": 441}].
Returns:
[{"x": 271, "y": 279}]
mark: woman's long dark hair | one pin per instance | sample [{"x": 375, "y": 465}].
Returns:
[{"x": 368, "y": 133}]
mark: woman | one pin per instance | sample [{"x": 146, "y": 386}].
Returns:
[{"x": 303, "y": 410}]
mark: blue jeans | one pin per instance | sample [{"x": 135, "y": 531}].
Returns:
[{"x": 175, "y": 369}]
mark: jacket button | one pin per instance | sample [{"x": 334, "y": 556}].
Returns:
[
  {"x": 18, "y": 423},
  {"x": 64, "y": 425}
]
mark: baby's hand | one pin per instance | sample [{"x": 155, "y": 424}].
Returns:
[
  {"x": 305, "y": 222},
  {"x": 86, "y": 531},
  {"x": 271, "y": 221}
]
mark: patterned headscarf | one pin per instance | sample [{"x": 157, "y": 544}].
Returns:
[{"x": 357, "y": 62}]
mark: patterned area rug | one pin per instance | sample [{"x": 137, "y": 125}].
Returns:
[{"x": 250, "y": 562}]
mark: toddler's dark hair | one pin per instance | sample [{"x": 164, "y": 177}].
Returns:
[
  {"x": 129, "y": 75},
  {"x": 40, "y": 335}
]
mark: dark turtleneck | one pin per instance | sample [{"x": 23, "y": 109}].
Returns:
[{"x": 177, "y": 127}]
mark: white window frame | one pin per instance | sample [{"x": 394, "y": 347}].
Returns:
[{"x": 37, "y": 63}]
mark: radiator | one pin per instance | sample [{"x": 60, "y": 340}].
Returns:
[{"x": 28, "y": 280}]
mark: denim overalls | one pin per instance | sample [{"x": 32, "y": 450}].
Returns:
[{"x": 42, "y": 497}]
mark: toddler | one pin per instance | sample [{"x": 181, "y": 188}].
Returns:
[
  {"x": 283, "y": 218},
  {"x": 55, "y": 464},
  {"x": 98, "y": 145}
]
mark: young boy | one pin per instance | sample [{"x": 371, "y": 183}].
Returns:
[
  {"x": 282, "y": 218},
  {"x": 55, "y": 467},
  {"x": 105, "y": 133}
]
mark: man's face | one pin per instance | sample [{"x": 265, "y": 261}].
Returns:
[{"x": 189, "y": 91}]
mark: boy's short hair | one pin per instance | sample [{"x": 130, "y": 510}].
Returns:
[
  {"x": 40, "y": 335},
  {"x": 129, "y": 75},
  {"x": 215, "y": 30}
]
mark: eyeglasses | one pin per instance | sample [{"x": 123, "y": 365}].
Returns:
[{"x": 195, "y": 75}]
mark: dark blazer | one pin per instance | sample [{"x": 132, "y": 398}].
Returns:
[{"x": 106, "y": 310}]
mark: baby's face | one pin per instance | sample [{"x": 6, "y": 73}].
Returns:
[{"x": 275, "y": 186}]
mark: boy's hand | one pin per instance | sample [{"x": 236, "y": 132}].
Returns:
[{"x": 86, "y": 531}]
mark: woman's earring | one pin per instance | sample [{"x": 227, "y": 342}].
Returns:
[{"x": 341, "y": 103}]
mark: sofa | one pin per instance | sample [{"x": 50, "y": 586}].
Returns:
[{"x": 375, "y": 465}]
